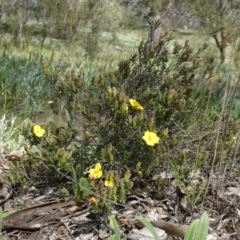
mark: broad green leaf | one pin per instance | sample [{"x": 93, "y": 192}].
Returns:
[
  {"x": 198, "y": 229},
  {"x": 85, "y": 186}
]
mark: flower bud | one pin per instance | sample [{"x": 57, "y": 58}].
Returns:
[
  {"x": 151, "y": 102},
  {"x": 116, "y": 105},
  {"x": 151, "y": 122},
  {"x": 94, "y": 202},
  {"x": 130, "y": 119},
  {"x": 109, "y": 148},
  {"x": 103, "y": 153},
  {"x": 134, "y": 123},
  {"x": 124, "y": 108},
  {"x": 159, "y": 95},
  {"x": 121, "y": 97},
  {"x": 141, "y": 116},
  {"x": 171, "y": 96},
  {"x": 114, "y": 190},
  {"x": 114, "y": 90},
  {"x": 138, "y": 166},
  {"x": 182, "y": 103},
  {"x": 109, "y": 191},
  {"x": 122, "y": 196},
  {"x": 111, "y": 174},
  {"x": 111, "y": 158},
  {"x": 109, "y": 90},
  {"x": 101, "y": 184},
  {"x": 140, "y": 174},
  {"x": 159, "y": 108},
  {"x": 165, "y": 132},
  {"x": 127, "y": 174},
  {"x": 114, "y": 174},
  {"x": 129, "y": 185},
  {"x": 148, "y": 91}
]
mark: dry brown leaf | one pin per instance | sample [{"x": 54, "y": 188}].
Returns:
[
  {"x": 72, "y": 209},
  {"x": 4, "y": 166},
  {"x": 145, "y": 234},
  {"x": 235, "y": 191},
  {"x": 16, "y": 154}
]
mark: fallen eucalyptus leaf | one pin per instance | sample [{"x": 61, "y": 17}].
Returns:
[{"x": 16, "y": 153}]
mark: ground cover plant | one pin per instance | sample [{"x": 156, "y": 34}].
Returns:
[{"x": 154, "y": 129}]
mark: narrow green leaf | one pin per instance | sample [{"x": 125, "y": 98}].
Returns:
[
  {"x": 149, "y": 226},
  {"x": 114, "y": 225},
  {"x": 74, "y": 175}
]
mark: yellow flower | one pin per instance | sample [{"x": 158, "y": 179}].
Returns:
[
  {"x": 109, "y": 183},
  {"x": 38, "y": 131},
  {"x": 135, "y": 105},
  {"x": 95, "y": 172},
  {"x": 150, "y": 138},
  {"x": 94, "y": 202}
]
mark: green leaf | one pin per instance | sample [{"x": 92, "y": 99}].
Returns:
[
  {"x": 67, "y": 115},
  {"x": 74, "y": 175},
  {"x": 65, "y": 192},
  {"x": 198, "y": 229},
  {"x": 85, "y": 186},
  {"x": 114, "y": 225},
  {"x": 149, "y": 226},
  {"x": 80, "y": 170}
]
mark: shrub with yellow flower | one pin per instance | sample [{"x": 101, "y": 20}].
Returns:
[
  {"x": 38, "y": 131},
  {"x": 150, "y": 138}
]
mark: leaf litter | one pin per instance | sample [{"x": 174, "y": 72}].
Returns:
[{"x": 169, "y": 212}]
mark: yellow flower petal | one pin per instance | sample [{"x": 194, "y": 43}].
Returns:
[
  {"x": 150, "y": 138},
  {"x": 96, "y": 172},
  {"x": 38, "y": 131},
  {"x": 135, "y": 105},
  {"x": 109, "y": 183}
]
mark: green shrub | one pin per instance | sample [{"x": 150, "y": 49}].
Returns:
[
  {"x": 163, "y": 81},
  {"x": 127, "y": 120}
]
